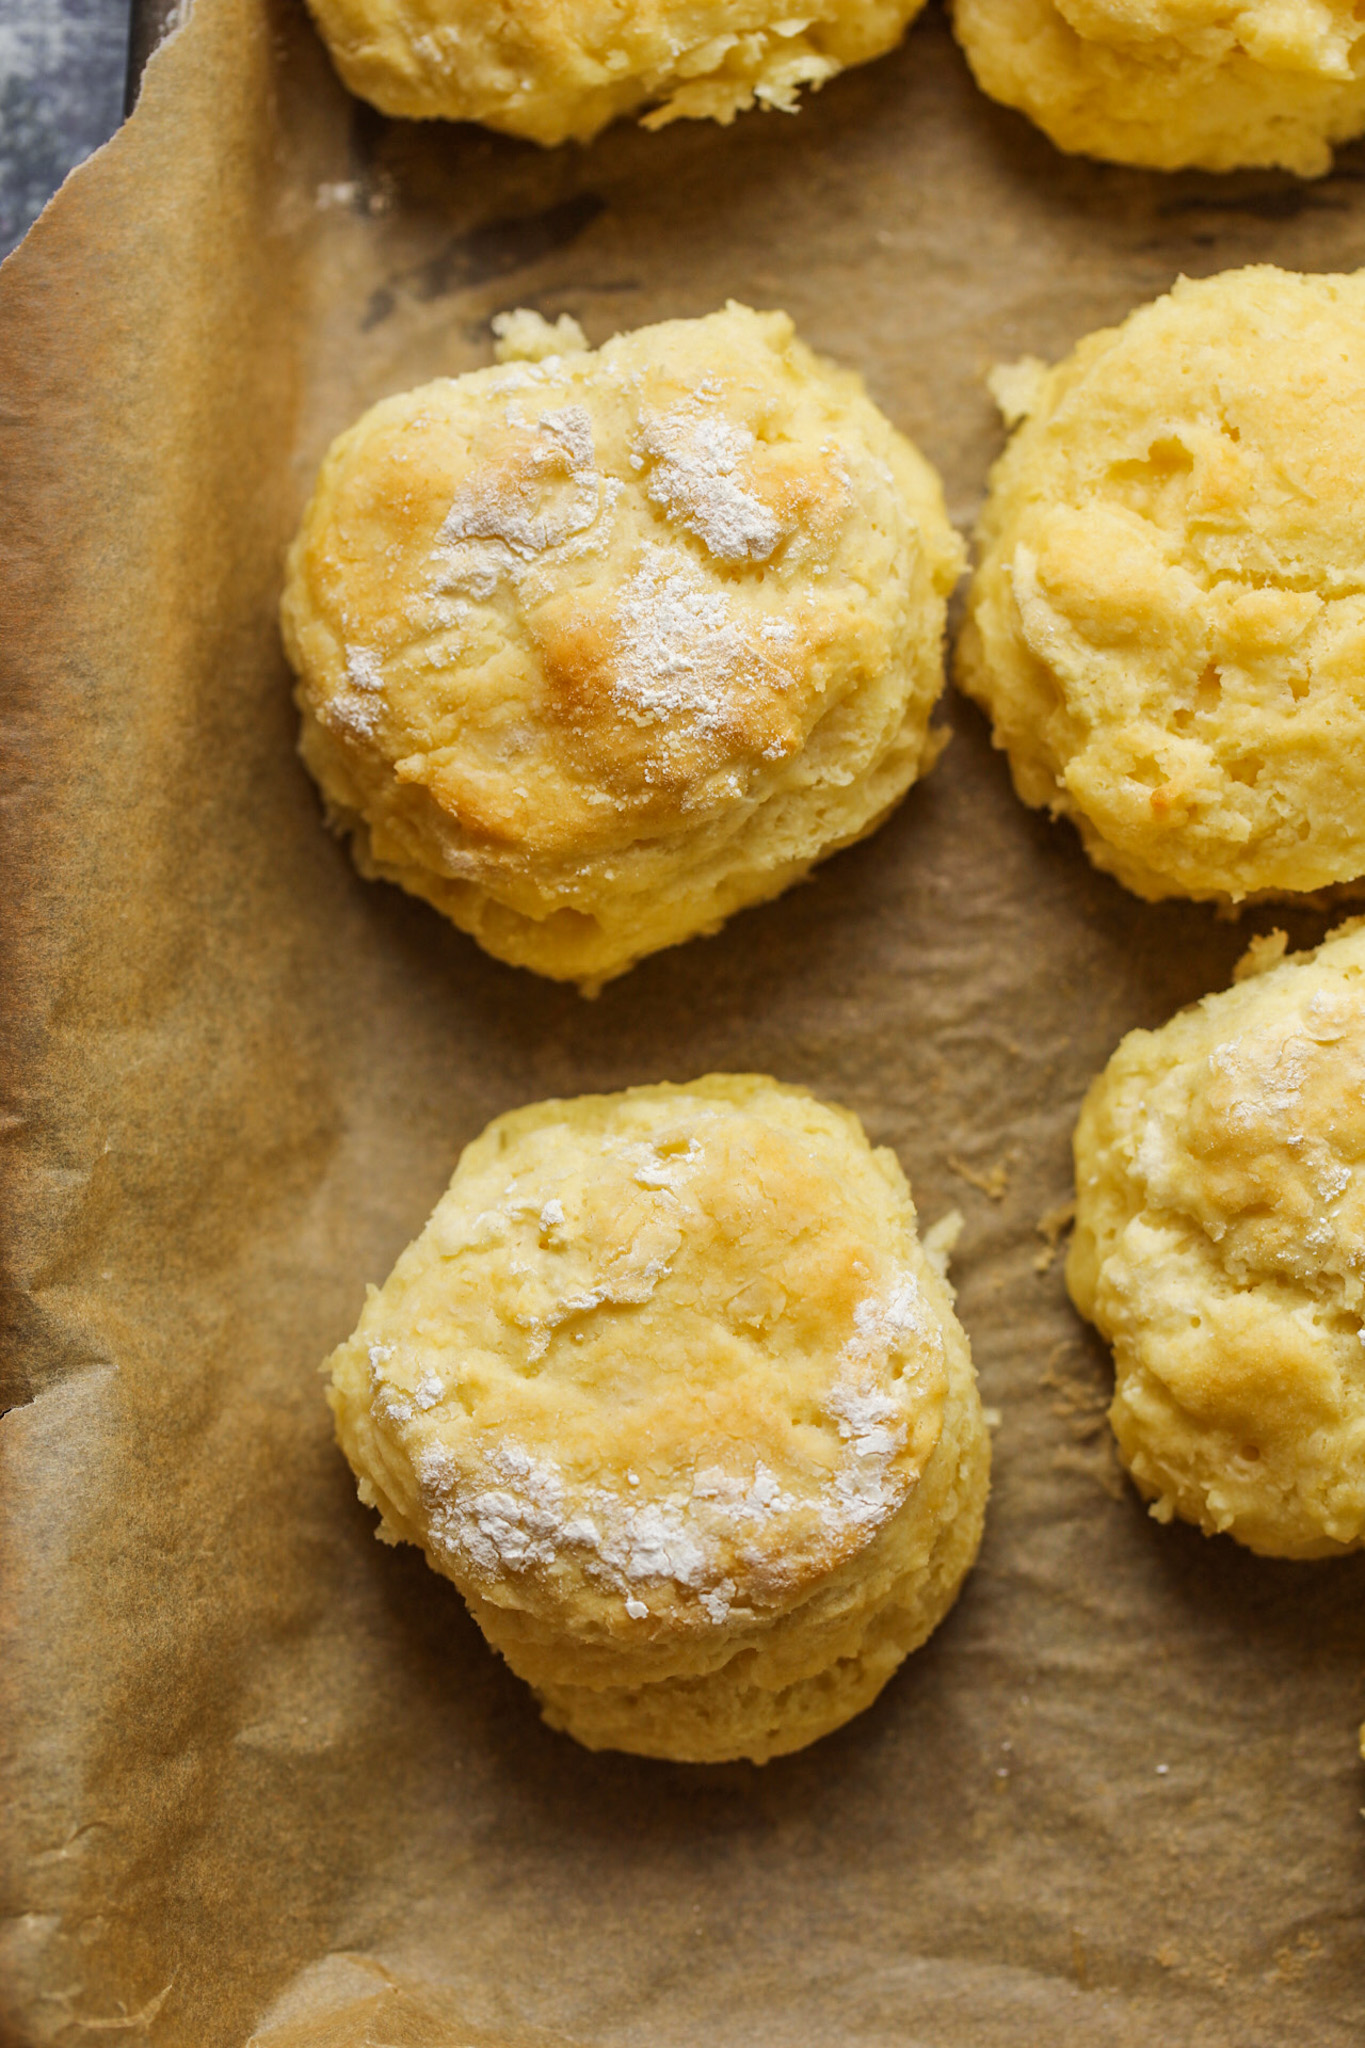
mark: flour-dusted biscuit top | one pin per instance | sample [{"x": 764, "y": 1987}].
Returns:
[
  {"x": 1213, "y": 84},
  {"x": 670, "y": 1390},
  {"x": 595, "y": 649},
  {"x": 1167, "y": 625},
  {"x": 560, "y": 70},
  {"x": 1220, "y": 1247}
]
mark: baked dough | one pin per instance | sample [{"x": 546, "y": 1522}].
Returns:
[
  {"x": 1171, "y": 83},
  {"x": 597, "y": 649},
  {"x": 670, "y": 1390},
  {"x": 1167, "y": 626},
  {"x": 560, "y": 70},
  {"x": 1220, "y": 1247}
]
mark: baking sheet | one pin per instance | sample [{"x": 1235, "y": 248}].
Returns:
[{"x": 264, "y": 1780}]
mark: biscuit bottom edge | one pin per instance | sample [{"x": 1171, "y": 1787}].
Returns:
[{"x": 725, "y": 1717}]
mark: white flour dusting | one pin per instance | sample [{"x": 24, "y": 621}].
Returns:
[
  {"x": 502, "y": 518},
  {"x": 521, "y": 1512},
  {"x": 871, "y": 1415},
  {"x": 429, "y": 1390},
  {"x": 1262, "y": 1074},
  {"x": 518, "y": 1511},
  {"x": 390, "y": 1404},
  {"x": 357, "y": 707},
  {"x": 680, "y": 651},
  {"x": 693, "y": 453},
  {"x": 364, "y": 668},
  {"x": 683, "y": 655}
]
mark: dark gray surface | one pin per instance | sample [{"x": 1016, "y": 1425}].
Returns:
[{"x": 63, "y": 65}]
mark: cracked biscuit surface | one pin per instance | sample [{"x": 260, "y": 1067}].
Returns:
[
  {"x": 596, "y": 649},
  {"x": 1208, "y": 84},
  {"x": 1220, "y": 1247},
  {"x": 1167, "y": 625},
  {"x": 561, "y": 70},
  {"x": 671, "y": 1391}
]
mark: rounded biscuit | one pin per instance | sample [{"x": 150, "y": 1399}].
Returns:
[
  {"x": 596, "y": 649},
  {"x": 670, "y": 1390},
  {"x": 1167, "y": 624},
  {"x": 561, "y": 70},
  {"x": 1207, "y": 84},
  {"x": 1220, "y": 1247}
]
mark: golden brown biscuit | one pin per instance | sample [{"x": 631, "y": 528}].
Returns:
[
  {"x": 597, "y": 649},
  {"x": 1170, "y": 83},
  {"x": 1220, "y": 1247},
  {"x": 560, "y": 70},
  {"x": 670, "y": 1390},
  {"x": 1167, "y": 626}
]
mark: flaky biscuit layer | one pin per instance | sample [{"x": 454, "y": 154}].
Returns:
[
  {"x": 560, "y": 70},
  {"x": 670, "y": 1390},
  {"x": 1167, "y": 625},
  {"x": 1220, "y": 1247},
  {"x": 1209, "y": 84},
  {"x": 596, "y": 649}
]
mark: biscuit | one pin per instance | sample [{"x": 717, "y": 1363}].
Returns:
[
  {"x": 1207, "y": 84},
  {"x": 671, "y": 1391},
  {"x": 1167, "y": 625},
  {"x": 561, "y": 70},
  {"x": 1220, "y": 1247},
  {"x": 596, "y": 649}
]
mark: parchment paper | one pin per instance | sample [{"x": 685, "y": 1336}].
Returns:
[{"x": 265, "y": 1780}]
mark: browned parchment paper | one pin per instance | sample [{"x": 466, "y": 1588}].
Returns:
[{"x": 264, "y": 1780}]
